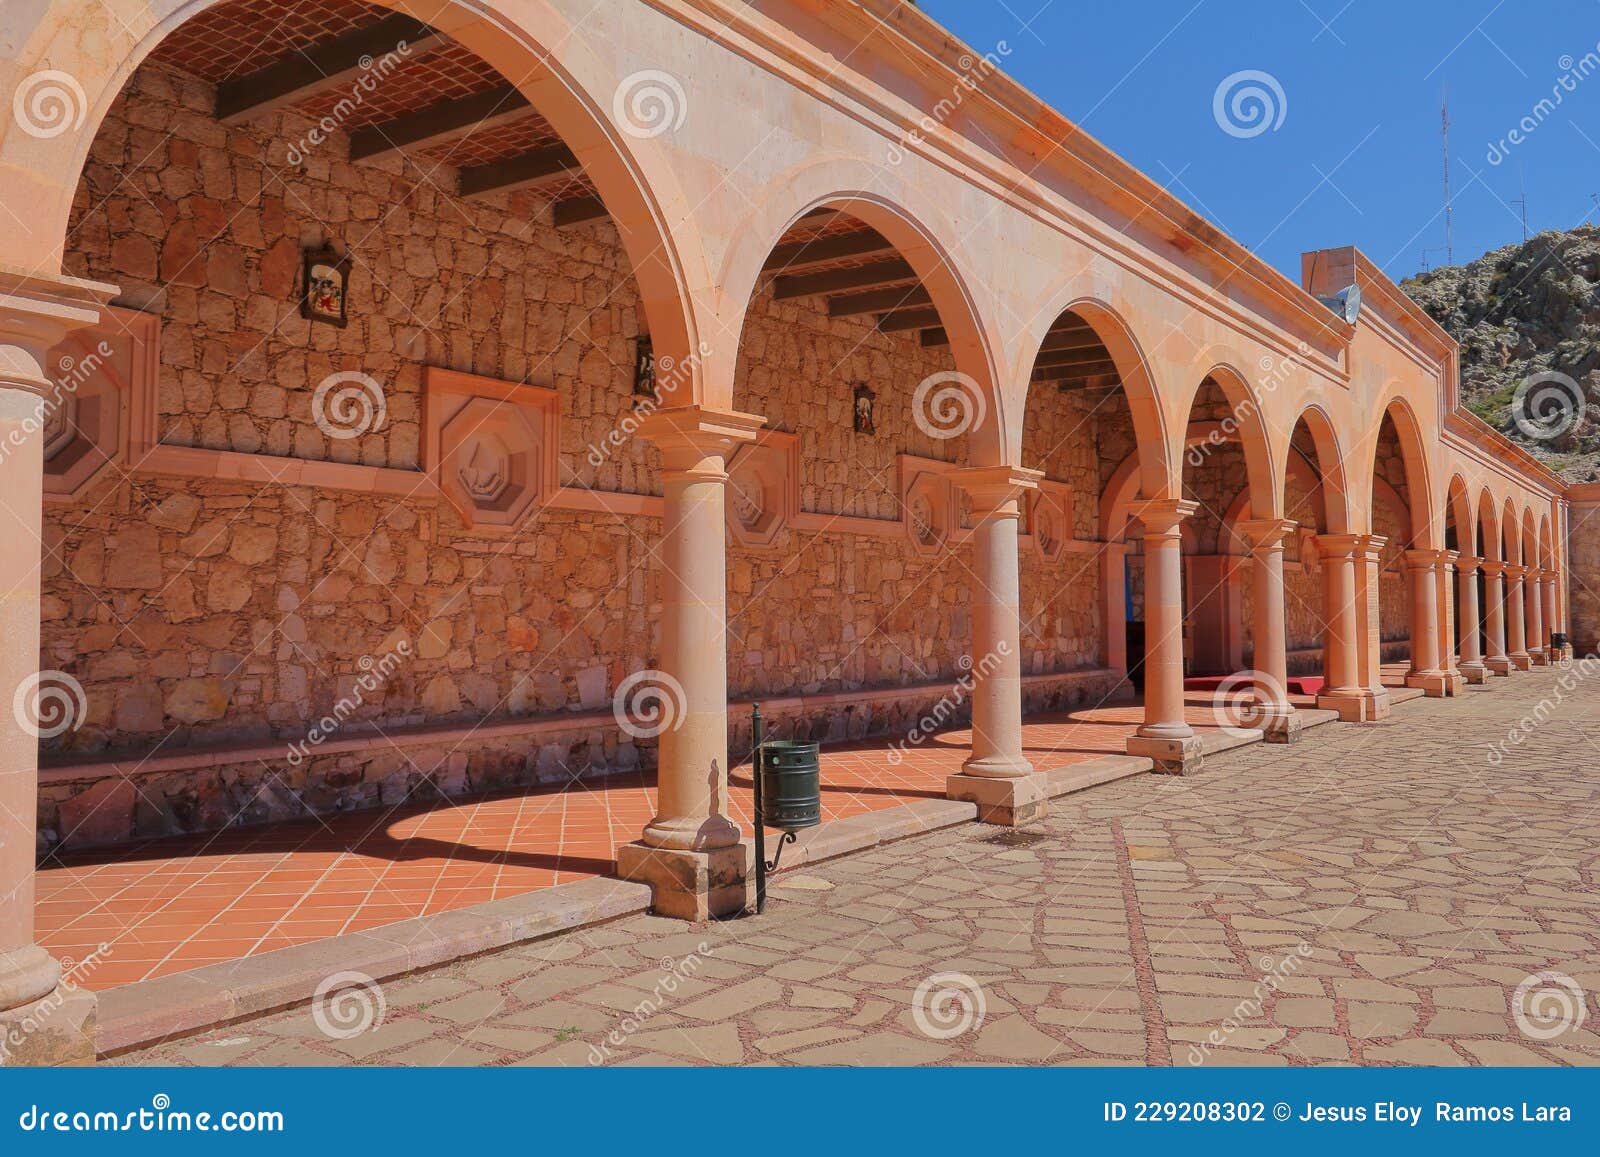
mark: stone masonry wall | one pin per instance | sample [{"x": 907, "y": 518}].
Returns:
[
  {"x": 199, "y": 613},
  {"x": 1583, "y": 564}
]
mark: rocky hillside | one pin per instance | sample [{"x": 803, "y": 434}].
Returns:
[{"x": 1521, "y": 311}]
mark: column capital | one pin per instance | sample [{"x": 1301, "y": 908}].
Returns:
[
  {"x": 1265, "y": 533},
  {"x": 36, "y": 312},
  {"x": 1163, "y": 516},
  {"x": 1369, "y": 546},
  {"x": 991, "y": 488},
  {"x": 688, "y": 435},
  {"x": 1340, "y": 545},
  {"x": 1467, "y": 563},
  {"x": 1418, "y": 558},
  {"x": 1515, "y": 570},
  {"x": 1493, "y": 567}
]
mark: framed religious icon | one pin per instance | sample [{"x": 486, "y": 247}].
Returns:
[
  {"x": 327, "y": 277},
  {"x": 644, "y": 367},
  {"x": 864, "y": 401}
]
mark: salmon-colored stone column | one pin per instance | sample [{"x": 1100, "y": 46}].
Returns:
[
  {"x": 1422, "y": 567},
  {"x": 1551, "y": 623},
  {"x": 1280, "y": 723},
  {"x": 1494, "y": 616},
  {"x": 1445, "y": 600},
  {"x": 691, "y": 853},
  {"x": 1369, "y": 626},
  {"x": 1516, "y": 624},
  {"x": 1164, "y": 737},
  {"x": 997, "y": 776},
  {"x": 44, "y": 1018},
  {"x": 1533, "y": 597},
  {"x": 1472, "y": 666},
  {"x": 1341, "y": 645}
]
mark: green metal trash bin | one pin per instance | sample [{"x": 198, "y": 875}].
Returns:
[{"x": 791, "y": 785}]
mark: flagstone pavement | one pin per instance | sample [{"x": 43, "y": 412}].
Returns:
[{"x": 1373, "y": 895}]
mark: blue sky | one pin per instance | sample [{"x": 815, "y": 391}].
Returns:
[{"x": 1356, "y": 157}]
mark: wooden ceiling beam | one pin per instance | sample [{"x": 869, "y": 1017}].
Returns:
[
  {"x": 903, "y": 319},
  {"x": 1093, "y": 382},
  {"x": 834, "y": 247},
  {"x": 1069, "y": 339},
  {"x": 323, "y": 66},
  {"x": 935, "y": 337},
  {"x": 577, "y": 210},
  {"x": 439, "y": 122},
  {"x": 519, "y": 171},
  {"x": 876, "y": 275},
  {"x": 878, "y": 300},
  {"x": 1068, "y": 357},
  {"x": 1077, "y": 370}
]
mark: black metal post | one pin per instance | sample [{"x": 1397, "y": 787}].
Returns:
[{"x": 761, "y": 833}]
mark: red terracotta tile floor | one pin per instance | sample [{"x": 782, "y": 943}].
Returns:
[{"x": 174, "y": 904}]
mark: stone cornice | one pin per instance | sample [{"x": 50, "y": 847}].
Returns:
[{"x": 928, "y": 55}]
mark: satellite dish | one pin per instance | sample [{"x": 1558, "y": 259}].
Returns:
[{"x": 1346, "y": 303}]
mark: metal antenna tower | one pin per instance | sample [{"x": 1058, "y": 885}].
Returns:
[{"x": 1449, "y": 209}]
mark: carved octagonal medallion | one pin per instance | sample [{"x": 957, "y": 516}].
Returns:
[
  {"x": 102, "y": 384},
  {"x": 1050, "y": 519},
  {"x": 489, "y": 445},
  {"x": 490, "y": 463},
  {"x": 929, "y": 512},
  {"x": 759, "y": 490}
]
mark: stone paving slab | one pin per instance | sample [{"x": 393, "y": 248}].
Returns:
[{"x": 1373, "y": 895}]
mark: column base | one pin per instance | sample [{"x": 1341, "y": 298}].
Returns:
[
  {"x": 1499, "y": 666},
  {"x": 691, "y": 885},
  {"x": 1011, "y": 803},
  {"x": 1282, "y": 727},
  {"x": 1352, "y": 706},
  {"x": 57, "y": 1029},
  {"x": 997, "y": 767},
  {"x": 1540, "y": 659},
  {"x": 1521, "y": 660},
  {"x": 1171, "y": 756},
  {"x": 1476, "y": 674},
  {"x": 1435, "y": 684}
]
